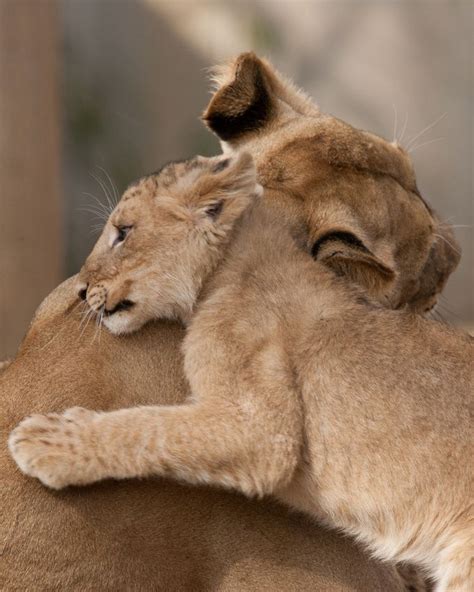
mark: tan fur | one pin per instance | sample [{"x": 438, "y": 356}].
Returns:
[
  {"x": 145, "y": 535},
  {"x": 300, "y": 386},
  {"x": 342, "y": 178},
  {"x": 53, "y": 538}
]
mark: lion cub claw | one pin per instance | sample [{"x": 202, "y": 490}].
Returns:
[{"x": 57, "y": 448}]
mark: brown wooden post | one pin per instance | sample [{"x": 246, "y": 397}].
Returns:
[{"x": 30, "y": 176}]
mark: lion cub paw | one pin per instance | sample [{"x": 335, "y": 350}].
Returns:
[{"x": 58, "y": 449}]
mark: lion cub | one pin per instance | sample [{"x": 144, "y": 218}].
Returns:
[{"x": 300, "y": 387}]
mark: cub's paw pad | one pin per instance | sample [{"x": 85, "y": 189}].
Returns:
[{"x": 55, "y": 448}]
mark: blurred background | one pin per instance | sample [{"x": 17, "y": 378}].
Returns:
[{"x": 95, "y": 93}]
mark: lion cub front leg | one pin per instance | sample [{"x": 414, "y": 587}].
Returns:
[
  {"x": 58, "y": 447},
  {"x": 197, "y": 443}
]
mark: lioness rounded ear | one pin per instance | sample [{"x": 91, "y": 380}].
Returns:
[
  {"x": 346, "y": 255},
  {"x": 442, "y": 260},
  {"x": 242, "y": 104}
]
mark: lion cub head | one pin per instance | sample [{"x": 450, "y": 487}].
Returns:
[{"x": 164, "y": 237}]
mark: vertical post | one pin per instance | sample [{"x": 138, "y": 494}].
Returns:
[{"x": 30, "y": 176}]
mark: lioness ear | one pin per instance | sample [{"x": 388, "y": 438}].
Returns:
[
  {"x": 249, "y": 95},
  {"x": 346, "y": 255},
  {"x": 442, "y": 260},
  {"x": 244, "y": 102}
]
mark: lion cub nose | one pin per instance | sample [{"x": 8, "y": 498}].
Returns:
[
  {"x": 97, "y": 297},
  {"x": 82, "y": 293}
]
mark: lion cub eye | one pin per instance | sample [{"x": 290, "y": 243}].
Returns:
[{"x": 122, "y": 232}]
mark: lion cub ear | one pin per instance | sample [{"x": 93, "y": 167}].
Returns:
[
  {"x": 346, "y": 255},
  {"x": 227, "y": 189}
]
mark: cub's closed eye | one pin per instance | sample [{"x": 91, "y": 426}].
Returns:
[{"x": 122, "y": 232}]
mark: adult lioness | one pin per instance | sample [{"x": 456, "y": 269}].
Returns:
[
  {"x": 301, "y": 387},
  {"x": 148, "y": 536}
]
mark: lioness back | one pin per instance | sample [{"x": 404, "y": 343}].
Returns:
[{"x": 145, "y": 535}]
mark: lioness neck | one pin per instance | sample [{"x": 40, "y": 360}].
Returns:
[{"x": 264, "y": 279}]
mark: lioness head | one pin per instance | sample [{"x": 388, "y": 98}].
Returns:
[
  {"x": 164, "y": 238},
  {"x": 352, "y": 195}
]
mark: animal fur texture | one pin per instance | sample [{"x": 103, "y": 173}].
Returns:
[
  {"x": 310, "y": 165},
  {"x": 301, "y": 386},
  {"x": 145, "y": 535}
]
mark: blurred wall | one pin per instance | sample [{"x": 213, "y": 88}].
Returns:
[
  {"x": 31, "y": 251},
  {"x": 133, "y": 91}
]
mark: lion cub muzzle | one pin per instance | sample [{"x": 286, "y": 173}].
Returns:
[{"x": 102, "y": 300}]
